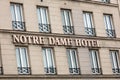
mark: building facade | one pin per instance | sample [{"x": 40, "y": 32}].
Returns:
[{"x": 59, "y": 40}]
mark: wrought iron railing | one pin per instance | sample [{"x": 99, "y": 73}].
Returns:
[
  {"x": 1, "y": 70},
  {"x": 97, "y": 70},
  {"x": 68, "y": 29},
  {"x": 110, "y": 32},
  {"x": 90, "y": 31},
  {"x": 44, "y": 27},
  {"x": 50, "y": 70},
  {"x": 18, "y": 25},
  {"x": 116, "y": 70},
  {"x": 24, "y": 70},
  {"x": 74, "y": 70}
]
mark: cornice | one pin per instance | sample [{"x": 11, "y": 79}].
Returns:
[
  {"x": 96, "y": 2},
  {"x": 84, "y": 76},
  {"x": 10, "y": 32}
]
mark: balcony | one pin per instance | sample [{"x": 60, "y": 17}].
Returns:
[
  {"x": 50, "y": 70},
  {"x": 24, "y": 70},
  {"x": 116, "y": 70},
  {"x": 18, "y": 25},
  {"x": 68, "y": 29},
  {"x": 90, "y": 31},
  {"x": 74, "y": 70},
  {"x": 110, "y": 33},
  {"x": 96, "y": 70},
  {"x": 44, "y": 27}
]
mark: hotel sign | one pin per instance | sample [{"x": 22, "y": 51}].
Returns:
[{"x": 53, "y": 41}]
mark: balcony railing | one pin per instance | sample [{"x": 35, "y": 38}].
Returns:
[
  {"x": 96, "y": 70},
  {"x": 18, "y": 25},
  {"x": 1, "y": 70},
  {"x": 116, "y": 70},
  {"x": 50, "y": 70},
  {"x": 110, "y": 32},
  {"x": 90, "y": 31},
  {"x": 68, "y": 29},
  {"x": 74, "y": 70},
  {"x": 44, "y": 27},
  {"x": 24, "y": 70}
]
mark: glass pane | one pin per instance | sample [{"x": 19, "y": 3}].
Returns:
[
  {"x": 88, "y": 18},
  {"x": 18, "y": 57},
  {"x": 74, "y": 60},
  {"x": 43, "y": 15},
  {"x": 50, "y": 60},
  {"x": 85, "y": 21},
  {"x": 69, "y": 59},
  {"x": 63, "y": 17},
  {"x": 23, "y": 57},
  {"x": 13, "y": 12},
  {"x": 45, "y": 58},
  {"x": 18, "y": 13}
]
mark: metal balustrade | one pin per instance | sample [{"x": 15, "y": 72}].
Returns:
[
  {"x": 18, "y": 25},
  {"x": 74, "y": 70},
  {"x": 24, "y": 70},
  {"x": 97, "y": 70},
  {"x": 90, "y": 31},
  {"x": 50, "y": 70},
  {"x": 44, "y": 27},
  {"x": 116, "y": 70},
  {"x": 110, "y": 32},
  {"x": 68, "y": 29}
]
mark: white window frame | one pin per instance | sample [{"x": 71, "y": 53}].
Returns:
[
  {"x": 43, "y": 19},
  {"x": 22, "y": 58},
  {"x": 67, "y": 21},
  {"x": 46, "y": 59},
  {"x": 106, "y": 1},
  {"x": 95, "y": 61},
  {"x": 71, "y": 60},
  {"x": 115, "y": 60},
  {"x": 88, "y": 22},
  {"x": 17, "y": 15}
]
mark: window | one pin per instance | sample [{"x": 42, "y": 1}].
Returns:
[
  {"x": 73, "y": 61},
  {"x": 106, "y": 1},
  {"x": 17, "y": 17},
  {"x": 43, "y": 20},
  {"x": 22, "y": 60},
  {"x": 49, "y": 65},
  {"x": 109, "y": 25},
  {"x": 67, "y": 21},
  {"x": 115, "y": 61},
  {"x": 88, "y": 22},
  {"x": 95, "y": 63}
]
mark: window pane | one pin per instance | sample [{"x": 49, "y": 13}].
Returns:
[
  {"x": 18, "y": 57},
  {"x": 13, "y": 12}
]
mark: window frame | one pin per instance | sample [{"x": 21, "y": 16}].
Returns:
[
  {"x": 67, "y": 23},
  {"x": 71, "y": 61},
  {"x": 115, "y": 61},
  {"x": 43, "y": 21},
  {"x": 96, "y": 69},
  {"x": 47, "y": 61},
  {"x": 21, "y": 60},
  {"x": 18, "y": 22}
]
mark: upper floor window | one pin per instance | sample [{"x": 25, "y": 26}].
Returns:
[
  {"x": 115, "y": 61},
  {"x": 109, "y": 25},
  {"x": 106, "y": 1},
  {"x": 22, "y": 60},
  {"x": 73, "y": 61},
  {"x": 43, "y": 20},
  {"x": 49, "y": 65},
  {"x": 67, "y": 21},
  {"x": 17, "y": 16},
  {"x": 88, "y": 22},
  {"x": 95, "y": 63}
]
